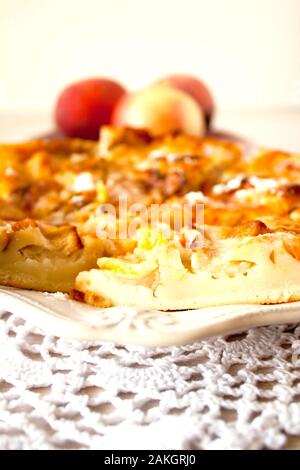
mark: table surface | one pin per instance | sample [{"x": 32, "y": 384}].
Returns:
[{"x": 235, "y": 392}]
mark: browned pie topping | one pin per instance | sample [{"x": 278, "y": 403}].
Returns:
[
  {"x": 252, "y": 228},
  {"x": 65, "y": 181},
  {"x": 51, "y": 180}
]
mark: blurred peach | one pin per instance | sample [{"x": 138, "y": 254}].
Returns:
[
  {"x": 160, "y": 109},
  {"x": 196, "y": 89},
  {"x": 83, "y": 107}
]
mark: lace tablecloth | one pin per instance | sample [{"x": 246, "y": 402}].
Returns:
[{"x": 239, "y": 392}]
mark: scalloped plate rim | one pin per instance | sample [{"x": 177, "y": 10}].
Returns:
[{"x": 59, "y": 316}]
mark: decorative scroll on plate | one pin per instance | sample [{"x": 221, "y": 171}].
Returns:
[{"x": 55, "y": 314}]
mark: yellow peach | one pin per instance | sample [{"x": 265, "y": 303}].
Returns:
[{"x": 160, "y": 109}]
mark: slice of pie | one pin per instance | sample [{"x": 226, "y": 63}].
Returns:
[
  {"x": 250, "y": 251},
  {"x": 253, "y": 263}
]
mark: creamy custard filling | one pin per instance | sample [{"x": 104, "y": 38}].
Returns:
[{"x": 260, "y": 269}]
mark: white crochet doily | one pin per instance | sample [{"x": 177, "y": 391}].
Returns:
[{"x": 239, "y": 392}]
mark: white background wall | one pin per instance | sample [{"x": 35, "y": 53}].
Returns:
[{"x": 247, "y": 50}]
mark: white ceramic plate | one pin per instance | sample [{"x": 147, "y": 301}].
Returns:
[{"x": 55, "y": 314}]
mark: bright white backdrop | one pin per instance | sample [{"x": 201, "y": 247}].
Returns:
[{"x": 247, "y": 50}]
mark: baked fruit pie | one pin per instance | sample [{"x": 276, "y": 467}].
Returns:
[{"x": 54, "y": 197}]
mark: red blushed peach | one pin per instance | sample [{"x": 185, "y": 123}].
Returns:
[
  {"x": 160, "y": 109},
  {"x": 196, "y": 89},
  {"x": 82, "y": 108}
]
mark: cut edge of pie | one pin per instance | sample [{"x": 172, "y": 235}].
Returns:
[
  {"x": 38, "y": 256},
  {"x": 261, "y": 269}
]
